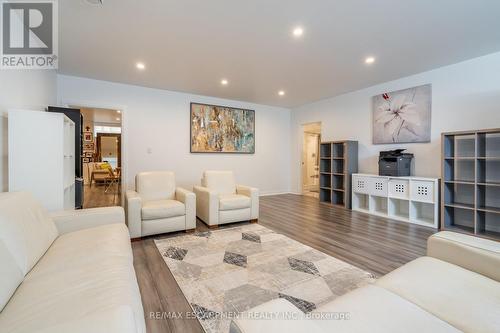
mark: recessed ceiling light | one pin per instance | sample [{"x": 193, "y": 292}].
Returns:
[
  {"x": 281, "y": 93},
  {"x": 369, "y": 60},
  {"x": 118, "y": 119},
  {"x": 118, "y": 111},
  {"x": 140, "y": 66},
  {"x": 95, "y": 2},
  {"x": 298, "y": 31},
  {"x": 224, "y": 82}
]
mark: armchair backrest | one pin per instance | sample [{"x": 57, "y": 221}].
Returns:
[
  {"x": 221, "y": 182},
  {"x": 155, "y": 185}
]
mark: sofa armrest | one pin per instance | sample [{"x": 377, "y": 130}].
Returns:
[
  {"x": 253, "y": 193},
  {"x": 188, "y": 198},
  {"x": 207, "y": 205},
  {"x": 133, "y": 206},
  {"x": 472, "y": 253},
  {"x": 74, "y": 220}
]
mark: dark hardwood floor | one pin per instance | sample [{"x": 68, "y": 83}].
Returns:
[{"x": 374, "y": 244}]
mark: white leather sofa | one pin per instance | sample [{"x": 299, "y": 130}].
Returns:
[
  {"x": 157, "y": 206},
  {"x": 455, "y": 288},
  {"x": 219, "y": 200},
  {"x": 67, "y": 272}
]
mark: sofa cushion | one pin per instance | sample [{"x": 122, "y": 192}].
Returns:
[
  {"x": 26, "y": 232},
  {"x": 375, "y": 310},
  {"x": 162, "y": 209},
  {"x": 221, "y": 182},
  {"x": 11, "y": 275},
  {"x": 233, "y": 201},
  {"x": 277, "y": 315},
  {"x": 155, "y": 185},
  {"x": 86, "y": 277},
  {"x": 468, "y": 301}
]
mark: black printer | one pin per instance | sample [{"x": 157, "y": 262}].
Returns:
[{"x": 395, "y": 163}]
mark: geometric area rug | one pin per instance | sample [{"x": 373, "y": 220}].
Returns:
[{"x": 225, "y": 272}]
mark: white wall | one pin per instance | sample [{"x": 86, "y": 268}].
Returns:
[
  {"x": 159, "y": 120},
  {"x": 464, "y": 96},
  {"x": 20, "y": 89}
]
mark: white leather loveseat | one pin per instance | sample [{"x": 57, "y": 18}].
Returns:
[
  {"x": 219, "y": 200},
  {"x": 66, "y": 272},
  {"x": 157, "y": 206},
  {"x": 455, "y": 288}
]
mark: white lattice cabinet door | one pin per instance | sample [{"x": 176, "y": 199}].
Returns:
[{"x": 407, "y": 199}]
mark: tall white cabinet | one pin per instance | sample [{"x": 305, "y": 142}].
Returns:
[{"x": 42, "y": 157}]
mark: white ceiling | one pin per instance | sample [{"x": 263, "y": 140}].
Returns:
[{"x": 190, "y": 45}]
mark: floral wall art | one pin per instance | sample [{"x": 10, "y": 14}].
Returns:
[
  {"x": 221, "y": 129},
  {"x": 403, "y": 116}
]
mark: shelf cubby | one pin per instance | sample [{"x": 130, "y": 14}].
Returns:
[
  {"x": 378, "y": 205},
  {"x": 325, "y": 180},
  {"x": 488, "y": 198},
  {"x": 459, "y": 195},
  {"x": 338, "y": 150},
  {"x": 325, "y": 195},
  {"x": 399, "y": 208},
  {"x": 459, "y": 217},
  {"x": 325, "y": 165},
  {"x": 488, "y": 171},
  {"x": 325, "y": 150},
  {"x": 361, "y": 201},
  {"x": 465, "y": 146},
  {"x": 488, "y": 224},
  {"x": 488, "y": 145},
  {"x": 338, "y": 182},
  {"x": 338, "y": 197},
  {"x": 422, "y": 212},
  {"x": 338, "y": 161},
  {"x": 338, "y": 166}
]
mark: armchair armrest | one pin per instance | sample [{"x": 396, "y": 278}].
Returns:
[
  {"x": 207, "y": 205},
  {"x": 253, "y": 193},
  {"x": 74, "y": 220},
  {"x": 188, "y": 198},
  {"x": 133, "y": 206},
  {"x": 472, "y": 253}
]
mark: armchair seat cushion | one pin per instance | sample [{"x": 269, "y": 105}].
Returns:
[
  {"x": 233, "y": 201},
  {"x": 162, "y": 209}
]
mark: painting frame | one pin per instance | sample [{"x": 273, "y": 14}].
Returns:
[
  {"x": 402, "y": 116},
  {"x": 88, "y": 146},
  {"x": 193, "y": 151},
  {"x": 87, "y": 137}
]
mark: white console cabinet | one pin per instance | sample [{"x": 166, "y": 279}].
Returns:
[
  {"x": 408, "y": 199},
  {"x": 42, "y": 157}
]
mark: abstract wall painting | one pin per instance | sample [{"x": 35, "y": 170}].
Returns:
[
  {"x": 403, "y": 116},
  {"x": 221, "y": 129}
]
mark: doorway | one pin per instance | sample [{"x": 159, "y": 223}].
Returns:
[
  {"x": 310, "y": 159},
  {"x": 102, "y": 157}
]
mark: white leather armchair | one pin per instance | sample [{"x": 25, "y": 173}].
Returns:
[
  {"x": 219, "y": 200},
  {"x": 157, "y": 206}
]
